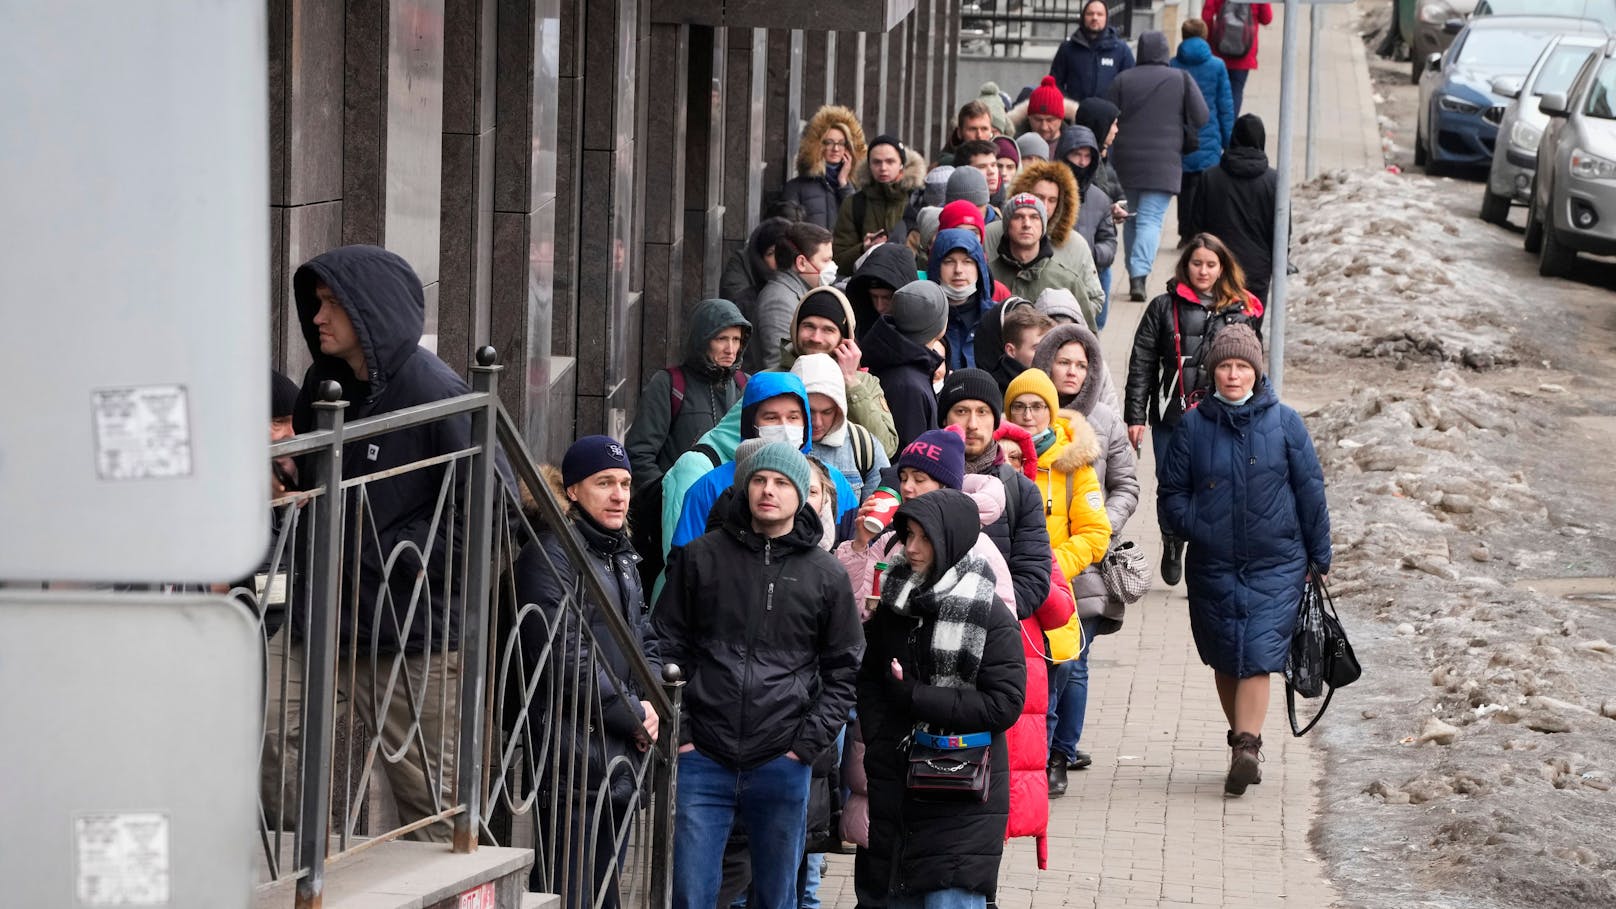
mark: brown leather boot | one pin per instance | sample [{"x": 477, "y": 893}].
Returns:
[{"x": 1244, "y": 767}]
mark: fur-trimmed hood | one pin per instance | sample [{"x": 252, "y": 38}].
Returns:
[
  {"x": 1060, "y": 336},
  {"x": 1083, "y": 449},
  {"x": 1065, "y": 215},
  {"x": 811, "y": 157},
  {"x": 1018, "y": 116},
  {"x": 914, "y": 172}
]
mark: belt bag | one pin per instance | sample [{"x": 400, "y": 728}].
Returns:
[{"x": 942, "y": 771}]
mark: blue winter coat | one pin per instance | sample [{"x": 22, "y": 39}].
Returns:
[
  {"x": 1084, "y": 68},
  {"x": 963, "y": 318},
  {"x": 1212, "y": 76},
  {"x": 1244, "y": 487}
]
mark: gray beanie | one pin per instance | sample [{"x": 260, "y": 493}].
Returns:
[
  {"x": 928, "y": 222},
  {"x": 745, "y": 451},
  {"x": 936, "y": 192},
  {"x": 1032, "y": 145},
  {"x": 1059, "y": 303},
  {"x": 968, "y": 183},
  {"x": 920, "y": 311},
  {"x": 782, "y": 459}
]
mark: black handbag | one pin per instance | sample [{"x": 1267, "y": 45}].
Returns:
[
  {"x": 1321, "y": 658},
  {"x": 944, "y": 774}
]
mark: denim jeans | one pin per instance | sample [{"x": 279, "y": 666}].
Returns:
[
  {"x": 1237, "y": 87},
  {"x": 808, "y": 876},
  {"x": 1069, "y": 697},
  {"x": 1142, "y": 232},
  {"x": 1160, "y": 437},
  {"x": 952, "y": 898},
  {"x": 1105, "y": 306},
  {"x": 773, "y": 801}
]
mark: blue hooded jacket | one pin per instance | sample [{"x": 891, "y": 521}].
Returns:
[
  {"x": 963, "y": 318},
  {"x": 1243, "y": 485},
  {"x": 703, "y": 494},
  {"x": 1084, "y": 68},
  {"x": 1212, "y": 76}
]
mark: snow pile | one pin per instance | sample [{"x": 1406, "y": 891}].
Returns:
[{"x": 1384, "y": 274}]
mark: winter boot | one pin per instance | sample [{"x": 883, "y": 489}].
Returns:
[
  {"x": 1244, "y": 768},
  {"x": 1057, "y": 776},
  {"x": 1136, "y": 288},
  {"x": 1080, "y": 761},
  {"x": 1172, "y": 563}
]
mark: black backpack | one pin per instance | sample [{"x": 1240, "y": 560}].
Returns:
[{"x": 1233, "y": 31}]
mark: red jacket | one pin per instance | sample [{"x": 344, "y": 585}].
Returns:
[
  {"x": 1028, "y": 740},
  {"x": 1265, "y": 16}
]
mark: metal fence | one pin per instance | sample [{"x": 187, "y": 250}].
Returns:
[
  {"x": 1028, "y": 29},
  {"x": 410, "y": 692}
]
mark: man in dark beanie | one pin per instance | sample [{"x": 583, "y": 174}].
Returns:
[
  {"x": 824, "y": 324},
  {"x": 896, "y": 352},
  {"x": 282, "y": 401},
  {"x": 877, "y": 213},
  {"x": 972, "y": 401}
]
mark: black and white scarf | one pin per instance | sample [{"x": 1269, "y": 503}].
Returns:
[{"x": 957, "y": 606}]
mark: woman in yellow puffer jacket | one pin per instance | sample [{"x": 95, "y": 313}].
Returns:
[{"x": 1074, "y": 503}]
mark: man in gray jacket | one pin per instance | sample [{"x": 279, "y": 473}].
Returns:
[{"x": 1156, "y": 103}]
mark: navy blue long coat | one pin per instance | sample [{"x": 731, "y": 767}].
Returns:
[{"x": 1244, "y": 486}]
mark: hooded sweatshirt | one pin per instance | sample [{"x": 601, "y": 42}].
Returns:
[
  {"x": 905, "y": 369},
  {"x": 866, "y": 400},
  {"x": 821, "y": 374},
  {"x": 1235, "y": 203},
  {"x": 383, "y": 298},
  {"x": 1154, "y": 101},
  {"x": 965, "y": 316},
  {"x": 890, "y": 265},
  {"x": 656, "y": 438},
  {"x": 1098, "y": 115},
  {"x": 1212, "y": 77}
]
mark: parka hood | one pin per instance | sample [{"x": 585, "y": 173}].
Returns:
[
  {"x": 708, "y": 319},
  {"x": 1059, "y": 225},
  {"x": 841, "y": 300},
  {"x": 1246, "y": 157},
  {"x": 987, "y": 492},
  {"x": 949, "y": 519},
  {"x": 760, "y": 388},
  {"x": 890, "y": 264},
  {"x": 1194, "y": 52},
  {"x": 1097, "y": 114},
  {"x": 914, "y": 173},
  {"x": 885, "y": 348},
  {"x": 959, "y": 238},
  {"x": 1083, "y": 449},
  {"x": 383, "y": 298},
  {"x": 1152, "y": 49},
  {"x": 811, "y": 156},
  {"x": 820, "y": 374},
  {"x": 1060, "y": 336}
]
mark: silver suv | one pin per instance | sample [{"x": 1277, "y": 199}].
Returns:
[
  {"x": 1509, "y": 181},
  {"x": 1573, "y": 204}
]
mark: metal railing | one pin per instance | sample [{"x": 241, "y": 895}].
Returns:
[
  {"x": 394, "y": 625},
  {"x": 1028, "y": 29}
]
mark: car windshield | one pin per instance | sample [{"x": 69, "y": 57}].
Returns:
[
  {"x": 1502, "y": 50},
  {"x": 1602, "y": 94},
  {"x": 1602, "y": 10},
  {"x": 1557, "y": 72}
]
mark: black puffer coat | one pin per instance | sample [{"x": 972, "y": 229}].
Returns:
[
  {"x": 921, "y": 846},
  {"x": 768, "y": 637},
  {"x": 1235, "y": 203},
  {"x": 1152, "y": 394},
  {"x": 905, "y": 370}
]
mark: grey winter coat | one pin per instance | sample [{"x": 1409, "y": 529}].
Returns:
[
  {"x": 771, "y": 318},
  {"x": 1155, "y": 101},
  {"x": 656, "y": 438}
]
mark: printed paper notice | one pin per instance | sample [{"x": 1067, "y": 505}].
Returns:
[
  {"x": 122, "y": 859},
  {"x": 142, "y": 433}
]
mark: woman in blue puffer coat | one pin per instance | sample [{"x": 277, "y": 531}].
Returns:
[{"x": 1242, "y": 484}]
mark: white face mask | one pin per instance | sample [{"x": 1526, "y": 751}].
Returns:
[
  {"x": 827, "y": 275},
  {"x": 958, "y": 294},
  {"x": 791, "y": 435}
]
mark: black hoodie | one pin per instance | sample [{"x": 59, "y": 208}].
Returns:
[
  {"x": 383, "y": 298},
  {"x": 1235, "y": 202},
  {"x": 905, "y": 370},
  {"x": 891, "y": 265}
]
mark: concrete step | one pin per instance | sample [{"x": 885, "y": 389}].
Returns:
[
  {"x": 541, "y": 901},
  {"x": 409, "y": 875}
]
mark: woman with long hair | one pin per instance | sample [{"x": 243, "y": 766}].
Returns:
[{"x": 1165, "y": 380}]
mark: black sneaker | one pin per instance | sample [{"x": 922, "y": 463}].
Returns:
[
  {"x": 1081, "y": 761},
  {"x": 1057, "y": 777},
  {"x": 1136, "y": 289},
  {"x": 1172, "y": 563}
]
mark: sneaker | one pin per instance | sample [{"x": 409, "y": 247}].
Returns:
[
  {"x": 1172, "y": 563},
  {"x": 1080, "y": 761},
  {"x": 1244, "y": 767},
  {"x": 1057, "y": 777},
  {"x": 1136, "y": 289}
]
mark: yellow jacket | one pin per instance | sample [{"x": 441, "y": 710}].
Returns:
[{"x": 1074, "y": 503}]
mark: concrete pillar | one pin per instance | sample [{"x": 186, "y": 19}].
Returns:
[
  {"x": 664, "y": 196},
  {"x": 465, "y": 242}
]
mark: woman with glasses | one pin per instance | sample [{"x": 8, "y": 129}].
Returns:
[
  {"x": 1074, "y": 503},
  {"x": 832, "y": 146}
]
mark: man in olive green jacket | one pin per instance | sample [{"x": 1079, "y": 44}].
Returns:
[
  {"x": 886, "y": 179},
  {"x": 1025, "y": 261},
  {"x": 824, "y": 323}
]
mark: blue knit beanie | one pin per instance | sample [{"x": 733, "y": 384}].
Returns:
[
  {"x": 591, "y": 455},
  {"x": 939, "y": 454},
  {"x": 782, "y": 459}
]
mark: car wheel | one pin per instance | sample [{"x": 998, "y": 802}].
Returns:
[
  {"x": 1494, "y": 208},
  {"x": 1534, "y": 228},
  {"x": 1557, "y": 259},
  {"x": 1416, "y": 67},
  {"x": 1419, "y": 150}
]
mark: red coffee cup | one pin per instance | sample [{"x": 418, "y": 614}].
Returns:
[{"x": 883, "y": 504}]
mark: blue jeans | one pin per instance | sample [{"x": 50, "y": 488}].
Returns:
[
  {"x": 1069, "y": 697},
  {"x": 1105, "y": 306},
  {"x": 813, "y": 868},
  {"x": 952, "y": 898},
  {"x": 1237, "y": 87},
  {"x": 771, "y": 799},
  {"x": 1160, "y": 438},
  {"x": 1142, "y": 232}
]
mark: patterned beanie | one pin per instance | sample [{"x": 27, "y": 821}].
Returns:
[{"x": 939, "y": 454}]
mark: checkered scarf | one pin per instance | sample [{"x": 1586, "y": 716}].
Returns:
[{"x": 957, "y": 605}]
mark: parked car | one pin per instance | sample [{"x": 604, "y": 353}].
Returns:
[
  {"x": 1509, "y": 181},
  {"x": 1429, "y": 26},
  {"x": 1457, "y": 119},
  {"x": 1573, "y": 204},
  {"x": 1603, "y": 11}
]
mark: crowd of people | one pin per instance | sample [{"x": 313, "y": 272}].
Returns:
[{"x": 866, "y": 510}]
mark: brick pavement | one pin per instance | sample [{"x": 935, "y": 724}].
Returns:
[{"x": 1148, "y": 825}]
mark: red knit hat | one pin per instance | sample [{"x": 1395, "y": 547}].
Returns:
[
  {"x": 962, "y": 213},
  {"x": 1047, "y": 100}
]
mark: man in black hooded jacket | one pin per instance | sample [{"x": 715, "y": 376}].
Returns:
[{"x": 1236, "y": 203}]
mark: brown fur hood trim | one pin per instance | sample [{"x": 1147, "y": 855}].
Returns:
[
  {"x": 530, "y": 505},
  {"x": 1019, "y": 123},
  {"x": 1083, "y": 450},
  {"x": 1065, "y": 216},
  {"x": 810, "y": 156},
  {"x": 914, "y": 173}
]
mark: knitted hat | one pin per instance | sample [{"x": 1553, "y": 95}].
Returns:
[
  {"x": 938, "y": 454},
  {"x": 1234, "y": 342},
  {"x": 1033, "y": 382},
  {"x": 927, "y": 223},
  {"x": 970, "y": 385},
  {"x": 282, "y": 395},
  {"x": 968, "y": 183},
  {"x": 1059, "y": 303},
  {"x": 1008, "y": 149},
  {"x": 1046, "y": 100},
  {"x": 887, "y": 139},
  {"x": 745, "y": 451},
  {"x": 936, "y": 191},
  {"x": 1026, "y": 200},
  {"x": 989, "y": 95},
  {"x": 782, "y": 459},
  {"x": 1032, "y": 145},
  {"x": 826, "y": 303},
  {"x": 920, "y": 311},
  {"x": 963, "y": 213},
  {"x": 591, "y": 455}
]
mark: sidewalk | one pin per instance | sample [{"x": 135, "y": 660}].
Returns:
[{"x": 1148, "y": 825}]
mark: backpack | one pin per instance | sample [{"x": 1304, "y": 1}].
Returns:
[
  {"x": 676, "y": 389},
  {"x": 897, "y": 233},
  {"x": 1233, "y": 31},
  {"x": 863, "y": 448}
]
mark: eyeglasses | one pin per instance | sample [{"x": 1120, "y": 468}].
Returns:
[
  {"x": 832, "y": 143},
  {"x": 1019, "y": 408}
]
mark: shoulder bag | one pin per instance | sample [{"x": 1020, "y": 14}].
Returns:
[{"x": 1321, "y": 658}]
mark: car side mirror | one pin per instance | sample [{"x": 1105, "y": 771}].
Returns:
[
  {"x": 1453, "y": 26},
  {"x": 1554, "y": 104},
  {"x": 1434, "y": 63},
  {"x": 1507, "y": 86}
]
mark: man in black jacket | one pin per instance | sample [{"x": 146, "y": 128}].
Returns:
[
  {"x": 763, "y": 623},
  {"x": 1235, "y": 203},
  {"x": 895, "y": 351},
  {"x": 971, "y": 400}
]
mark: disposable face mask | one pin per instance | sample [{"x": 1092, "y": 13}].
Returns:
[
  {"x": 958, "y": 294},
  {"x": 791, "y": 435},
  {"x": 827, "y": 275},
  {"x": 1243, "y": 398}
]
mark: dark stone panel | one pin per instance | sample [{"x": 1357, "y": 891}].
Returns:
[
  {"x": 566, "y": 210},
  {"x": 919, "y": 81},
  {"x": 815, "y": 70},
  {"x": 469, "y": 28},
  {"x": 849, "y": 69},
  {"x": 530, "y": 138},
  {"x": 778, "y": 122},
  {"x": 663, "y": 301},
  {"x": 597, "y": 263},
  {"x": 465, "y": 244},
  {"x": 871, "y": 106},
  {"x": 600, "y": 72},
  {"x": 364, "y": 122},
  {"x": 280, "y": 42},
  {"x": 591, "y": 417},
  {"x": 692, "y": 269},
  {"x": 704, "y": 117},
  {"x": 666, "y": 104},
  {"x": 738, "y": 131},
  {"x": 305, "y": 101},
  {"x": 951, "y": 47},
  {"x": 895, "y": 110},
  {"x": 279, "y": 294},
  {"x": 310, "y": 230}
]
